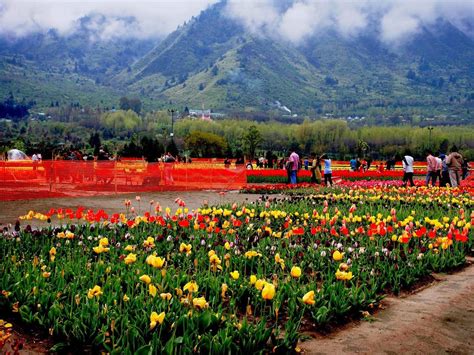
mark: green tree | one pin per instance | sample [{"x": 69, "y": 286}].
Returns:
[
  {"x": 206, "y": 145},
  {"x": 134, "y": 104},
  {"x": 121, "y": 123},
  {"x": 251, "y": 139}
]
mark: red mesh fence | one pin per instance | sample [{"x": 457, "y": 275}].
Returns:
[{"x": 28, "y": 180}]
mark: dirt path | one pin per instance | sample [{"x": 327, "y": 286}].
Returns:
[
  {"x": 10, "y": 210},
  {"x": 436, "y": 320}
]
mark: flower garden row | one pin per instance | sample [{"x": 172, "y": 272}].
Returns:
[
  {"x": 280, "y": 176},
  {"x": 228, "y": 279}
]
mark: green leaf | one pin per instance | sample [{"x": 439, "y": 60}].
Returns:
[{"x": 145, "y": 350}]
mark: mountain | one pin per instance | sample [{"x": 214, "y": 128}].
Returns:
[
  {"x": 213, "y": 61},
  {"x": 80, "y": 67}
]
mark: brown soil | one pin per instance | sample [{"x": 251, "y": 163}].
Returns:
[{"x": 10, "y": 210}]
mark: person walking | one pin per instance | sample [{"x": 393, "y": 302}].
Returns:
[
  {"x": 407, "y": 162},
  {"x": 431, "y": 165},
  {"x": 327, "y": 170},
  {"x": 316, "y": 170},
  {"x": 294, "y": 160},
  {"x": 454, "y": 162},
  {"x": 444, "y": 179},
  {"x": 439, "y": 167},
  {"x": 353, "y": 164}
]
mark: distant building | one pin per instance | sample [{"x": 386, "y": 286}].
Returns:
[{"x": 205, "y": 115}]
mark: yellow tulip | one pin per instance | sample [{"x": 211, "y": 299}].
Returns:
[
  {"x": 343, "y": 275},
  {"x": 308, "y": 298},
  {"x": 155, "y": 261},
  {"x": 156, "y": 318},
  {"x": 259, "y": 284},
  {"x": 337, "y": 256},
  {"x": 126, "y": 298},
  {"x": 227, "y": 246},
  {"x": 129, "y": 248},
  {"x": 145, "y": 278},
  {"x": 253, "y": 279},
  {"x": 104, "y": 242},
  {"x": 235, "y": 275},
  {"x": 185, "y": 248},
  {"x": 96, "y": 291},
  {"x": 268, "y": 291},
  {"x": 130, "y": 259},
  {"x": 165, "y": 296},
  {"x": 191, "y": 287},
  {"x": 224, "y": 288},
  {"x": 149, "y": 242},
  {"x": 46, "y": 274},
  {"x": 152, "y": 290},
  {"x": 295, "y": 272},
  {"x": 251, "y": 253},
  {"x": 200, "y": 303},
  {"x": 100, "y": 249},
  {"x": 277, "y": 258}
]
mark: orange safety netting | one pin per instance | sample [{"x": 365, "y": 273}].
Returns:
[{"x": 27, "y": 180}]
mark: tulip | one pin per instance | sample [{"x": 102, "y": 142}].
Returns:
[
  {"x": 149, "y": 243},
  {"x": 126, "y": 298},
  {"x": 337, "y": 256},
  {"x": 251, "y": 253},
  {"x": 100, "y": 249},
  {"x": 156, "y": 318},
  {"x": 155, "y": 261},
  {"x": 166, "y": 296},
  {"x": 185, "y": 248},
  {"x": 200, "y": 303},
  {"x": 224, "y": 288},
  {"x": 235, "y": 275},
  {"x": 343, "y": 275},
  {"x": 343, "y": 266},
  {"x": 259, "y": 284},
  {"x": 295, "y": 272},
  {"x": 191, "y": 287},
  {"x": 130, "y": 258},
  {"x": 152, "y": 290},
  {"x": 129, "y": 248},
  {"x": 146, "y": 279},
  {"x": 308, "y": 298},
  {"x": 96, "y": 291},
  {"x": 253, "y": 279},
  {"x": 268, "y": 291},
  {"x": 104, "y": 242}
]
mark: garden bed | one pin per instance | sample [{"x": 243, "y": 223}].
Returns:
[{"x": 228, "y": 279}]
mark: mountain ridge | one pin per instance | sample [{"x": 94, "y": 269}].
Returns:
[{"x": 213, "y": 61}]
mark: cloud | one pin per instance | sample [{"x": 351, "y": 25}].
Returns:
[
  {"x": 397, "y": 20},
  {"x": 150, "y": 18},
  {"x": 292, "y": 20}
]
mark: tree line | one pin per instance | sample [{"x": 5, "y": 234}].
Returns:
[{"x": 127, "y": 133}]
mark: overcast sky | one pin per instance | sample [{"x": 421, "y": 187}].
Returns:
[{"x": 398, "y": 19}]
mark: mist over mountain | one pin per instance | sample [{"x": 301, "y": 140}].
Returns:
[{"x": 312, "y": 60}]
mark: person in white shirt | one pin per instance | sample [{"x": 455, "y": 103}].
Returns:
[{"x": 407, "y": 162}]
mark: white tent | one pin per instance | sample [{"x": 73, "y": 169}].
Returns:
[{"x": 15, "y": 154}]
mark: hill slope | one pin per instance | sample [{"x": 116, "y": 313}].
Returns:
[{"x": 213, "y": 61}]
